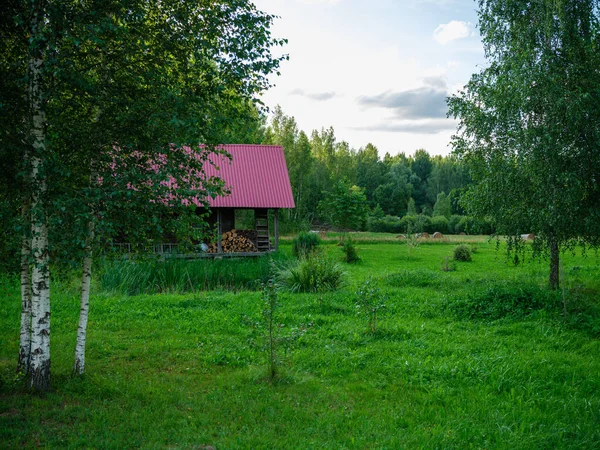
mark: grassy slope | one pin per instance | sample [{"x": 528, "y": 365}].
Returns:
[{"x": 181, "y": 371}]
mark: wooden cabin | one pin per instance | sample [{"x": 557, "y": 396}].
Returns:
[{"x": 257, "y": 178}]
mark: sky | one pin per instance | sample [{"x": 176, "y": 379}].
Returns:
[{"x": 377, "y": 71}]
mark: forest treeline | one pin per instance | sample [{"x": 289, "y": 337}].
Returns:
[{"x": 419, "y": 192}]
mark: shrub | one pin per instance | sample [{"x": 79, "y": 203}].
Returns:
[
  {"x": 416, "y": 224},
  {"x": 472, "y": 225},
  {"x": 311, "y": 274},
  {"x": 462, "y": 253},
  {"x": 453, "y": 224},
  {"x": 350, "y": 252},
  {"x": 387, "y": 224},
  {"x": 305, "y": 243},
  {"x": 439, "y": 223}
]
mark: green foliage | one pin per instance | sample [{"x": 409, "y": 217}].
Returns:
[
  {"x": 345, "y": 207},
  {"x": 387, "y": 224},
  {"x": 350, "y": 252},
  {"x": 369, "y": 301},
  {"x": 439, "y": 223},
  {"x": 416, "y": 224},
  {"x": 305, "y": 244},
  {"x": 411, "y": 209},
  {"x": 312, "y": 274},
  {"x": 498, "y": 301},
  {"x": 453, "y": 224},
  {"x": 529, "y": 123},
  {"x": 462, "y": 253},
  {"x": 442, "y": 206}
]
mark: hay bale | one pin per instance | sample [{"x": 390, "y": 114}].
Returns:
[
  {"x": 528, "y": 237},
  {"x": 438, "y": 235},
  {"x": 425, "y": 235},
  {"x": 462, "y": 233},
  {"x": 400, "y": 236}
]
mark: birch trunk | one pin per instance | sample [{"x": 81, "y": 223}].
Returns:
[
  {"x": 25, "y": 334},
  {"x": 39, "y": 368},
  {"x": 86, "y": 279}
]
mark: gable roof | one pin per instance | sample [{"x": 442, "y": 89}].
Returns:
[{"x": 256, "y": 176}]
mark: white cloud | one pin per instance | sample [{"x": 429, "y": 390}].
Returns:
[{"x": 452, "y": 31}]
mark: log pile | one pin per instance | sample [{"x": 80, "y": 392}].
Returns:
[{"x": 236, "y": 241}]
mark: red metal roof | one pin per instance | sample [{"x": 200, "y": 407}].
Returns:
[{"x": 256, "y": 175}]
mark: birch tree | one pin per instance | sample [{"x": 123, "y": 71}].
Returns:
[
  {"x": 39, "y": 365},
  {"x": 127, "y": 86},
  {"x": 530, "y": 123}
]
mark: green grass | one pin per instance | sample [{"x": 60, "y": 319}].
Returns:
[
  {"x": 177, "y": 275},
  {"x": 185, "y": 370}
]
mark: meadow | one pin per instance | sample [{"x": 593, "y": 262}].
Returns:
[{"x": 481, "y": 356}]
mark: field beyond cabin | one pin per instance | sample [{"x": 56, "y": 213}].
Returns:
[{"x": 476, "y": 357}]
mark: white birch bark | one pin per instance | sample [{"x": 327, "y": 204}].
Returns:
[
  {"x": 39, "y": 369},
  {"x": 25, "y": 333},
  {"x": 86, "y": 279}
]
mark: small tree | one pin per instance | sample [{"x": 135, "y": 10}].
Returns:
[
  {"x": 369, "y": 302},
  {"x": 442, "y": 206},
  {"x": 345, "y": 207}
]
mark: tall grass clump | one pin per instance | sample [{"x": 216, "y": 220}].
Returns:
[
  {"x": 498, "y": 301},
  {"x": 350, "y": 252},
  {"x": 133, "y": 277},
  {"x": 305, "y": 244},
  {"x": 311, "y": 274}
]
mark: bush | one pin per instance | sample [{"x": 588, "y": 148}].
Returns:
[
  {"x": 350, "y": 252},
  {"x": 387, "y": 224},
  {"x": 416, "y": 224},
  {"x": 305, "y": 243},
  {"x": 472, "y": 225},
  {"x": 453, "y": 224},
  {"x": 499, "y": 301},
  {"x": 311, "y": 274},
  {"x": 462, "y": 253},
  {"x": 439, "y": 223}
]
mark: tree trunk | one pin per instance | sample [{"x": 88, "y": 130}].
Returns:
[
  {"x": 554, "y": 264},
  {"x": 25, "y": 334},
  {"x": 86, "y": 278},
  {"x": 39, "y": 369}
]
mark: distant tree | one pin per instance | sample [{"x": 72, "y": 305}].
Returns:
[
  {"x": 421, "y": 167},
  {"x": 394, "y": 194},
  {"x": 530, "y": 123},
  {"x": 411, "y": 209},
  {"x": 370, "y": 171},
  {"x": 442, "y": 206},
  {"x": 345, "y": 207}
]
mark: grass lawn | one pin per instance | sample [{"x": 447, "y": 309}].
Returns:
[{"x": 189, "y": 370}]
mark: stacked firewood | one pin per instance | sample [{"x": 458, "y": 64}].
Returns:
[{"x": 236, "y": 241}]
